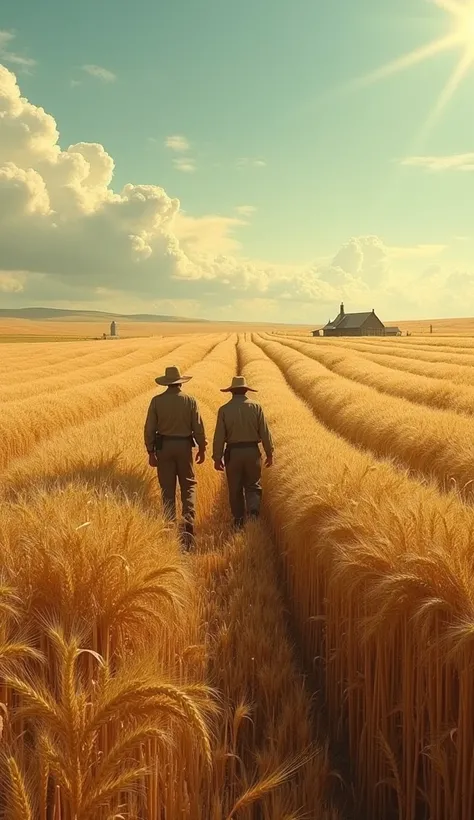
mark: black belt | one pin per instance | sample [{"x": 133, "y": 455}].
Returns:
[
  {"x": 178, "y": 438},
  {"x": 241, "y": 444}
]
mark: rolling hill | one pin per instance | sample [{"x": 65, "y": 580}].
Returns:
[{"x": 52, "y": 314}]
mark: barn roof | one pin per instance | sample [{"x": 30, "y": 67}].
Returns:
[
  {"x": 352, "y": 320},
  {"x": 348, "y": 321}
]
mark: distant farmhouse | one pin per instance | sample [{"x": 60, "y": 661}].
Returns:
[{"x": 356, "y": 324}]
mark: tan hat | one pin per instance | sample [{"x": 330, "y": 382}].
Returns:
[
  {"x": 172, "y": 376},
  {"x": 238, "y": 383}
]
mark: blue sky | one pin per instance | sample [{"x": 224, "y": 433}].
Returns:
[{"x": 268, "y": 83}]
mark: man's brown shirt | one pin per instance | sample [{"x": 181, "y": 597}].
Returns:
[
  {"x": 173, "y": 413},
  {"x": 241, "y": 420}
]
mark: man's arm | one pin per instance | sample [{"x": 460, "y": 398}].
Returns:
[
  {"x": 197, "y": 426},
  {"x": 219, "y": 438},
  {"x": 265, "y": 435},
  {"x": 151, "y": 425}
]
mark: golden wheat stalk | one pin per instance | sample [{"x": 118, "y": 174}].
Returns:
[{"x": 19, "y": 802}]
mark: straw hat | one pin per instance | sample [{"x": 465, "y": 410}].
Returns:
[
  {"x": 172, "y": 376},
  {"x": 238, "y": 383}
]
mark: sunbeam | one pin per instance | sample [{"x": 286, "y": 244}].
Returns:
[
  {"x": 450, "y": 88},
  {"x": 414, "y": 57},
  {"x": 452, "y": 6},
  {"x": 461, "y": 36}
]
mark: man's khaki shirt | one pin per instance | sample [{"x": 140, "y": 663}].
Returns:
[
  {"x": 241, "y": 420},
  {"x": 174, "y": 413}
]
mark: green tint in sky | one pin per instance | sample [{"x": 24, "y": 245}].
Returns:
[{"x": 265, "y": 98}]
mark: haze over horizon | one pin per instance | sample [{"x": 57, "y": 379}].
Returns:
[{"x": 260, "y": 162}]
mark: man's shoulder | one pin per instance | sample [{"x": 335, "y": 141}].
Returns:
[
  {"x": 189, "y": 399},
  {"x": 225, "y": 407},
  {"x": 250, "y": 405},
  {"x": 184, "y": 398}
]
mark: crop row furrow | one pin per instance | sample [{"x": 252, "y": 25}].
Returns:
[
  {"x": 406, "y": 343},
  {"x": 415, "y": 347},
  {"x": 268, "y": 720},
  {"x": 435, "y": 444},
  {"x": 435, "y": 342},
  {"x": 86, "y": 506},
  {"x": 379, "y": 345},
  {"x": 380, "y": 568},
  {"x": 22, "y": 355},
  {"x": 13, "y": 376},
  {"x": 415, "y": 388},
  {"x": 86, "y": 375},
  {"x": 23, "y": 425},
  {"x": 98, "y": 474},
  {"x": 457, "y": 373},
  {"x": 108, "y": 452}
]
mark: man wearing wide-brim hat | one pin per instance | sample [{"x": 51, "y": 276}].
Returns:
[
  {"x": 173, "y": 426},
  {"x": 241, "y": 426}
]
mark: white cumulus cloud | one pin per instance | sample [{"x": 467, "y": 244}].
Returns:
[
  {"x": 452, "y": 162},
  {"x": 67, "y": 237},
  {"x": 11, "y": 282},
  {"x": 187, "y": 166},
  {"x": 180, "y": 145},
  {"x": 100, "y": 73},
  {"x": 7, "y": 55},
  {"x": 245, "y": 210},
  {"x": 365, "y": 257},
  {"x": 177, "y": 143}
]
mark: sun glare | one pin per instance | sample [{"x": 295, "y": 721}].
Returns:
[
  {"x": 460, "y": 36},
  {"x": 465, "y": 25}
]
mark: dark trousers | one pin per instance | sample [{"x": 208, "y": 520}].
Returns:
[
  {"x": 175, "y": 465},
  {"x": 244, "y": 470}
]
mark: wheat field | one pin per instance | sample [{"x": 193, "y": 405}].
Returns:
[{"x": 316, "y": 666}]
